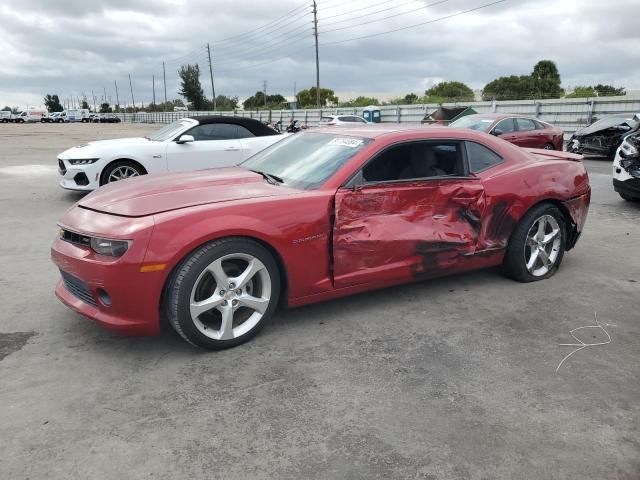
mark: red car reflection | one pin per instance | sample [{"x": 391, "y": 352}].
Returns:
[
  {"x": 522, "y": 131},
  {"x": 316, "y": 216}
]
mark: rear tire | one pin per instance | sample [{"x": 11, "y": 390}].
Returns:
[
  {"x": 537, "y": 245},
  {"x": 549, "y": 146},
  {"x": 222, "y": 294}
]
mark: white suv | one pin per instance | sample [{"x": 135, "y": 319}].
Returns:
[{"x": 342, "y": 119}]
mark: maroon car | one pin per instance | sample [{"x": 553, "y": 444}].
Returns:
[{"x": 521, "y": 131}]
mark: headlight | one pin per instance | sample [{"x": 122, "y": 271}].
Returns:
[
  {"x": 82, "y": 161},
  {"x": 628, "y": 149},
  {"x": 112, "y": 248}
]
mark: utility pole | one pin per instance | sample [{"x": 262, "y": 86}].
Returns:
[
  {"x": 105, "y": 94},
  {"x": 164, "y": 82},
  {"x": 153, "y": 83},
  {"x": 264, "y": 91},
  {"x": 315, "y": 34},
  {"x": 132, "y": 100},
  {"x": 213, "y": 90},
  {"x": 94, "y": 101},
  {"x": 117, "y": 96}
]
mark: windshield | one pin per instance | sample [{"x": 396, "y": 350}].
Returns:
[
  {"x": 169, "y": 131},
  {"x": 306, "y": 160},
  {"x": 473, "y": 123}
]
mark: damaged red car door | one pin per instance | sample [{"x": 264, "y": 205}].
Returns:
[{"x": 405, "y": 229}]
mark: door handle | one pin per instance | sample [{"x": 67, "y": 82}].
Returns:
[{"x": 232, "y": 149}]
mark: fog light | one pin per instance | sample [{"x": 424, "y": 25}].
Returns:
[
  {"x": 104, "y": 297},
  {"x": 81, "y": 179}
]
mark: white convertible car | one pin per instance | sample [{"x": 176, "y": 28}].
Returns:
[{"x": 187, "y": 144}]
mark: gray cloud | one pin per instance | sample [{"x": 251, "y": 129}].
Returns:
[{"x": 70, "y": 47}]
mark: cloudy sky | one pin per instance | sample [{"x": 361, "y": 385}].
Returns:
[{"x": 74, "y": 47}]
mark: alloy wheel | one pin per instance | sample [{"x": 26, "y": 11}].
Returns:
[
  {"x": 122, "y": 172},
  {"x": 230, "y": 296},
  {"x": 543, "y": 244}
]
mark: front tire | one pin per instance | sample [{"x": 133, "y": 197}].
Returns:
[
  {"x": 537, "y": 245},
  {"x": 120, "y": 170},
  {"x": 223, "y": 293},
  {"x": 549, "y": 146},
  {"x": 628, "y": 198}
]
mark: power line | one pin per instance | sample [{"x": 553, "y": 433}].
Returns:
[
  {"x": 385, "y": 18},
  {"x": 267, "y": 25},
  {"x": 360, "y": 9},
  {"x": 268, "y": 62},
  {"x": 457, "y": 14}
]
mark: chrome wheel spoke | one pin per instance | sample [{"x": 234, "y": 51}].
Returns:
[
  {"x": 198, "y": 308},
  {"x": 226, "y": 326},
  {"x": 542, "y": 226},
  {"x": 544, "y": 257},
  {"x": 532, "y": 259},
  {"x": 219, "y": 275},
  {"x": 258, "y": 304},
  {"x": 550, "y": 236},
  {"x": 253, "y": 267}
]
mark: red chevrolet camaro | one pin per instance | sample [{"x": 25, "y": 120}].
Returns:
[
  {"x": 316, "y": 216},
  {"x": 522, "y": 131}
]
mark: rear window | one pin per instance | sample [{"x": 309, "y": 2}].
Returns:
[{"x": 481, "y": 158}]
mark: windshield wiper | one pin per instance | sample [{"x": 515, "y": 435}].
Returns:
[{"x": 272, "y": 179}]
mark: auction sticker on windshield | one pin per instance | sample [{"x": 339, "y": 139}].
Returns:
[{"x": 346, "y": 142}]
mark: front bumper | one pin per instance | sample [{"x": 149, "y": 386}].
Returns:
[
  {"x": 84, "y": 178},
  {"x": 630, "y": 187},
  {"x": 132, "y": 302}
]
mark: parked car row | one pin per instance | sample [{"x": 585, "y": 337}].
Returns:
[
  {"x": 33, "y": 115},
  {"x": 288, "y": 220}
]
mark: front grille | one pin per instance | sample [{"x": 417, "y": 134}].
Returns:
[
  {"x": 73, "y": 237},
  {"x": 78, "y": 288},
  {"x": 61, "y": 167}
]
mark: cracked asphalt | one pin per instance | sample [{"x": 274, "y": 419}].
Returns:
[{"x": 447, "y": 379}]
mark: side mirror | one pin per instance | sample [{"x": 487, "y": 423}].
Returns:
[
  {"x": 497, "y": 132},
  {"x": 185, "y": 139}
]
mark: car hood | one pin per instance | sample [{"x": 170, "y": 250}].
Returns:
[
  {"x": 632, "y": 122},
  {"x": 151, "y": 194},
  {"x": 86, "y": 149}
]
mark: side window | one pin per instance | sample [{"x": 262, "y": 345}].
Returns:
[
  {"x": 539, "y": 125},
  {"x": 481, "y": 158},
  {"x": 242, "y": 132},
  {"x": 524, "y": 124},
  {"x": 415, "y": 160},
  {"x": 214, "y": 131},
  {"x": 505, "y": 126}
]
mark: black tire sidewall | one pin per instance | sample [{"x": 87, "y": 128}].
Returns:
[
  {"x": 515, "y": 265},
  {"x": 178, "y": 294}
]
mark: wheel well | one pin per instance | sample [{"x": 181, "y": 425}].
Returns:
[
  {"x": 282, "y": 270},
  {"x": 138, "y": 164},
  {"x": 572, "y": 230}
]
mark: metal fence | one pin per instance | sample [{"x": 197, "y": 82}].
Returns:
[{"x": 569, "y": 114}]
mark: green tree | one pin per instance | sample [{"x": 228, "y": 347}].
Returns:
[
  {"x": 6, "y": 108},
  {"x": 259, "y": 101},
  {"x": 105, "y": 108},
  {"x": 582, "y": 92},
  {"x": 307, "y": 98},
  {"x": 546, "y": 80},
  {"x": 361, "y": 102},
  {"x": 84, "y": 105},
  {"x": 449, "y": 92},
  {"x": 225, "y": 103},
  {"x": 52, "y": 102},
  {"x": 609, "y": 90},
  {"x": 509, "y": 88},
  {"x": 191, "y": 89},
  {"x": 410, "y": 99}
]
